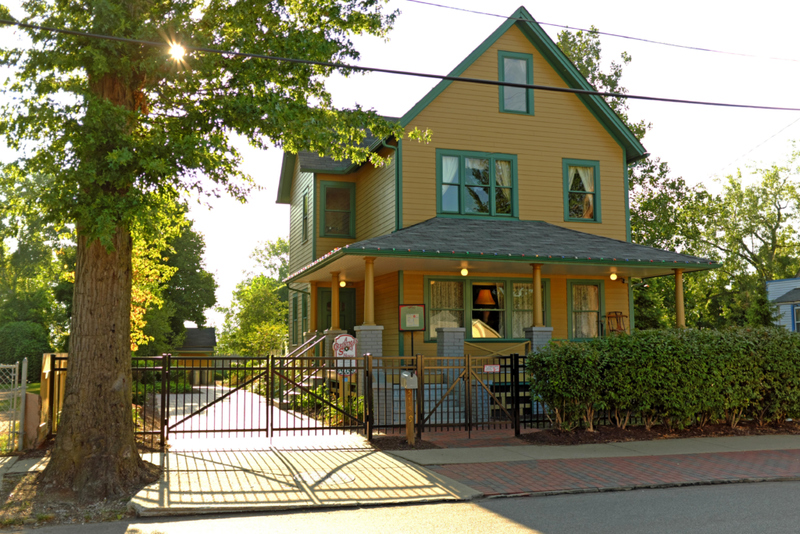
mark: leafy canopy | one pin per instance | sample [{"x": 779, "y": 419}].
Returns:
[{"x": 124, "y": 129}]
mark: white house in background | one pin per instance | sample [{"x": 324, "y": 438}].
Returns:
[{"x": 786, "y": 294}]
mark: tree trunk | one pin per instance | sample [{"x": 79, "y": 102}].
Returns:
[{"x": 95, "y": 454}]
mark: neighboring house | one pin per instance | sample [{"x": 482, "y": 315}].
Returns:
[
  {"x": 786, "y": 295},
  {"x": 199, "y": 342},
  {"x": 511, "y": 226}
]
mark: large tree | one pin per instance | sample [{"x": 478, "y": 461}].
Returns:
[{"x": 125, "y": 129}]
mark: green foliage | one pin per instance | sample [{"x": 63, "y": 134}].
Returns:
[
  {"x": 24, "y": 339},
  {"x": 255, "y": 322},
  {"x": 678, "y": 377},
  {"x": 329, "y": 407},
  {"x": 273, "y": 257}
]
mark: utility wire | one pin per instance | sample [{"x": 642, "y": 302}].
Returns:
[
  {"x": 498, "y": 83},
  {"x": 641, "y": 39},
  {"x": 765, "y": 141}
]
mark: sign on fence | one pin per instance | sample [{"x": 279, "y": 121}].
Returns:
[{"x": 344, "y": 350}]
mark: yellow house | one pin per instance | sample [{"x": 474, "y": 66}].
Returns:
[{"x": 511, "y": 227}]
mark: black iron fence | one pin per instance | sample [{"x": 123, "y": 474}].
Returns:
[{"x": 308, "y": 394}]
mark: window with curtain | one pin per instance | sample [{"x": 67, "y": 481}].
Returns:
[
  {"x": 445, "y": 304},
  {"x": 514, "y": 67},
  {"x": 522, "y": 316},
  {"x": 476, "y": 183},
  {"x": 338, "y": 209},
  {"x": 585, "y": 307},
  {"x": 581, "y": 190}
]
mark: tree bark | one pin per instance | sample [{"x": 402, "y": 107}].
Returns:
[{"x": 95, "y": 453}]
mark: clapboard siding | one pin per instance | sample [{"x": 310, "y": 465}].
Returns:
[
  {"x": 386, "y": 302},
  {"x": 467, "y": 117},
  {"x": 375, "y": 203},
  {"x": 778, "y": 288},
  {"x": 299, "y": 250}
]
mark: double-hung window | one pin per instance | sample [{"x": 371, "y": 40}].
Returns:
[
  {"x": 514, "y": 67},
  {"x": 476, "y": 183},
  {"x": 338, "y": 209},
  {"x": 584, "y": 308},
  {"x": 295, "y": 328},
  {"x": 581, "y": 190},
  {"x": 796, "y": 310},
  {"x": 305, "y": 217}
]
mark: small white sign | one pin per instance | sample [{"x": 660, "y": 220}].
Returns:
[
  {"x": 344, "y": 350},
  {"x": 412, "y": 320},
  {"x": 491, "y": 368}
]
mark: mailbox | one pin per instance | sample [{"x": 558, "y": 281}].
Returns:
[{"x": 408, "y": 380}]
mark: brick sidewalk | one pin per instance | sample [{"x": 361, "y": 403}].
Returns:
[{"x": 603, "y": 474}]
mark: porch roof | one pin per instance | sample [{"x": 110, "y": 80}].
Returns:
[
  {"x": 789, "y": 298},
  {"x": 447, "y": 244}
]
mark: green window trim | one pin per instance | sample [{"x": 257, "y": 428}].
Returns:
[
  {"x": 501, "y": 75},
  {"x": 294, "y": 320},
  {"x": 464, "y": 187},
  {"x": 597, "y": 204},
  {"x": 601, "y": 312},
  {"x": 304, "y": 313},
  {"x": 351, "y": 187},
  {"x": 468, "y": 307},
  {"x": 304, "y": 219}
]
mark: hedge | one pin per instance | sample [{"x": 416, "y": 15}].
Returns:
[{"x": 676, "y": 377}]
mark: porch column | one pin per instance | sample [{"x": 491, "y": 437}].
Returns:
[
  {"x": 538, "y": 316},
  {"x": 335, "y": 301},
  {"x": 369, "y": 291},
  {"x": 680, "y": 314}
]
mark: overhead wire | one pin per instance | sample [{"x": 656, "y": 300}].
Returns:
[
  {"x": 481, "y": 81},
  {"x": 620, "y": 36}
]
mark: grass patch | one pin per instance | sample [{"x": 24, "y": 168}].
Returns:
[{"x": 34, "y": 387}]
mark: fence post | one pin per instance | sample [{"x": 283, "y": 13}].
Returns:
[
  {"x": 52, "y": 408},
  {"x": 468, "y": 394},
  {"x": 23, "y": 379},
  {"x": 164, "y": 399},
  {"x": 368, "y": 392},
  {"x": 420, "y": 361},
  {"x": 271, "y": 397},
  {"x": 515, "y": 391}
]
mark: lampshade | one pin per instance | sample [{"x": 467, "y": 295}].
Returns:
[{"x": 485, "y": 298}]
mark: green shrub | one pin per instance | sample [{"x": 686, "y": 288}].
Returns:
[
  {"x": 21, "y": 340},
  {"x": 678, "y": 377}
]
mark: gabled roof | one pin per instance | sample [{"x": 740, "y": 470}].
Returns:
[
  {"x": 521, "y": 18},
  {"x": 199, "y": 339},
  {"x": 513, "y": 241},
  {"x": 790, "y": 297},
  {"x": 311, "y": 162}
]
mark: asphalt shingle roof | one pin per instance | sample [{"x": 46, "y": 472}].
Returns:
[
  {"x": 514, "y": 238},
  {"x": 312, "y": 162},
  {"x": 200, "y": 338},
  {"x": 791, "y": 296}
]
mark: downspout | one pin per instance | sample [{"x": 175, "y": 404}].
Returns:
[{"x": 398, "y": 200}]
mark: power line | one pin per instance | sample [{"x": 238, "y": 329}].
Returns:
[
  {"x": 396, "y": 72},
  {"x": 765, "y": 141},
  {"x": 628, "y": 37}
]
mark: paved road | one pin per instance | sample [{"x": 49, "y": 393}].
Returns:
[{"x": 727, "y": 508}]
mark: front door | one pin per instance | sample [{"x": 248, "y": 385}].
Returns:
[{"x": 347, "y": 309}]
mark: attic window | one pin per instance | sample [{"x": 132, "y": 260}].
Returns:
[{"x": 514, "y": 67}]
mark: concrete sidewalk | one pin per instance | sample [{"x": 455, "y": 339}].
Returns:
[{"x": 349, "y": 472}]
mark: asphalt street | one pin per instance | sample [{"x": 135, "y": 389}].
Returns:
[{"x": 724, "y": 508}]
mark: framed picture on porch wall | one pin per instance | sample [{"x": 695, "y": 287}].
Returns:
[{"x": 412, "y": 317}]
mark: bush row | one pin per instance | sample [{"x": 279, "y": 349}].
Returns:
[{"x": 675, "y": 377}]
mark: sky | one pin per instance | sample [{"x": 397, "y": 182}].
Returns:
[{"x": 700, "y": 143}]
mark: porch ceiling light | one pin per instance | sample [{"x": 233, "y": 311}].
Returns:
[
  {"x": 613, "y": 276},
  {"x": 464, "y": 272},
  {"x": 342, "y": 283}
]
